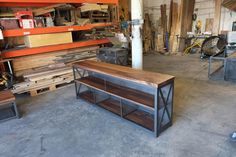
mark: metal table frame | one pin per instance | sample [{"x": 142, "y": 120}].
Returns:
[
  {"x": 16, "y": 113},
  {"x": 211, "y": 73},
  {"x": 164, "y": 94}
]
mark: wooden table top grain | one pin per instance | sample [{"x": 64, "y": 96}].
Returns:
[{"x": 126, "y": 73}]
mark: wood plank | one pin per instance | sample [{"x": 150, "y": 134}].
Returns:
[
  {"x": 126, "y": 73},
  {"x": 40, "y": 60},
  {"x": 217, "y": 17},
  {"x": 88, "y": 96},
  {"x": 142, "y": 118},
  {"x": 119, "y": 91},
  {"x": 48, "y": 39},
  {"x": 164, "y": 23},
  {"x": 29, "y": 86},
  {"x": 174, "y": 27},
  {"x": 111, "y": 105},
  {"x": 48, "y": 74},
  {"x": 209, "y": 25},
  {"x": 186, "y": 12}
]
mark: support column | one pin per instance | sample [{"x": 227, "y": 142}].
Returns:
[{"x": 137, "y": 44}]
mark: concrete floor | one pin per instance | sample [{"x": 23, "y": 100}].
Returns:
[{"x": 57, "y": 125}]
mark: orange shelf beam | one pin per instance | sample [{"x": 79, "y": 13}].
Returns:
[
  {"x": 21, "y": 2},
  {"x": 45, "y": 49},
  {"x": 57, "y": 29},
  {"x": 4, "y": 4}
]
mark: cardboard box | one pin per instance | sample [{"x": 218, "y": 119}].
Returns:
[{"x": 48, "y": 39}]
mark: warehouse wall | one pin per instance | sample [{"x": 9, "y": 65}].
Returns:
[{"x": 205, "y": 10}]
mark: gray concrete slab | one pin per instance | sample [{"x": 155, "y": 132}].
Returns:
[{"x": 57, "y": 125}]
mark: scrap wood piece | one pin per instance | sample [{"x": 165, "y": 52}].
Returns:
[
  {"x": 48, "y": 74},
  {"x": 93, "y": 7}
]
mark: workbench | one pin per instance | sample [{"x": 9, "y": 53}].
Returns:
[{"x": 145, "y": 98}]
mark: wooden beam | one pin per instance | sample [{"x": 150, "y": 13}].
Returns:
[
  {"x": 186, "y": 12},
  {"x": 217, "y": 17}
]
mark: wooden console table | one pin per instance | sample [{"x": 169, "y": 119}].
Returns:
[{"x": 145, "y": 98}]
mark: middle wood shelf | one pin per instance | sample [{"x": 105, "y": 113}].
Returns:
[{"x": 138, "y": 97}]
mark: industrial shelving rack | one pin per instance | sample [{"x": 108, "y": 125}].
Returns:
[{"x": 56, "y": 29}]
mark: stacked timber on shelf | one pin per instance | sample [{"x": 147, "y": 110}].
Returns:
[
  {"x": 48, "y": 71},
  {"x": 27, "y": 64}
]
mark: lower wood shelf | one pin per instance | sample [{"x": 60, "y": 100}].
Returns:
[
  {"x": 137, "y": 116},
  {"x": 88, "y": 96},
  {"x": 111, "y": 105},
  {"x": 141, "y": 118}
]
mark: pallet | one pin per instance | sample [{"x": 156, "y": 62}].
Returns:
[{"x": 50, "y": 88}]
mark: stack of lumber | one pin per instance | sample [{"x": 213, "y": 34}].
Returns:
[
  {"x": 43, "y": 81},
  {"x": 28, "y": 64}
]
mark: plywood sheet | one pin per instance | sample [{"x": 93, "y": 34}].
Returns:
[{"x": 48, "y": 39}]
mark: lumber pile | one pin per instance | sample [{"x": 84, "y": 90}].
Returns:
[
  {"x": 47, "y": 80},
  {"x": 48, "y": 72},
  {"x": 28, "y": 64}
]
